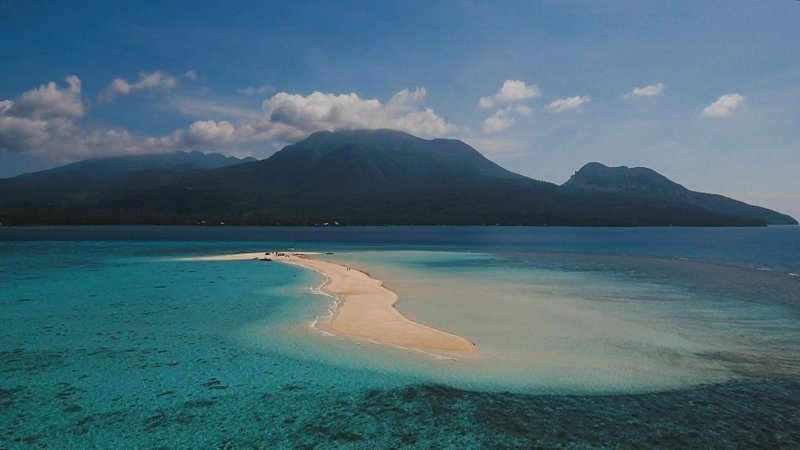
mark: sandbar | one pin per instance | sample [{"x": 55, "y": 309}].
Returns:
[{"x": 365, "y": 308}]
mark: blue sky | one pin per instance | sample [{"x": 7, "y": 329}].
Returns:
[{"x": 707, "y": 93}]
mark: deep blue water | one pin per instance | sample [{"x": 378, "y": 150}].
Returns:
[
  {"x": 774, "y": 247},
  {"x": 108, "y": 342}
]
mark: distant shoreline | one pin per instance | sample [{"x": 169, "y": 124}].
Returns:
[{"x": 365, "y": 309}]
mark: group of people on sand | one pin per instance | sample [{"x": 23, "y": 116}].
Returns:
[{"x": 268, "y": 254}]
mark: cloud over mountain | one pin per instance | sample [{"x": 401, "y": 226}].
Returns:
[
  {"x": 290, "y": 117},
  {"x": 44, "y": 121}
]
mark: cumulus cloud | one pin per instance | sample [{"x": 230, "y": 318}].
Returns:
[
  {"x": 205, "y": 132},
  {"x": 43, "y": 122},
  {"x": 50, "y": 129},
  {"x": 646, "y": 91},
  {"x": 290, "y": 117},
  {"x": 406, "y": 99},
  {"x": 48, "y": 101},
  {"x": 504, "y": 118},
  {"x": 568, "y": 104},
  {"x": 22, "y": 133},
  {"x": 31, "y": 120},
  {"x": 62, "y": 140},
  {"x": 324, "y": 111},
  {"x": 5, "y": 105},
  {"x": 724, "y": 106},
  {"x": 511, "y": 91},
  {"x": 523, "y": 109},
  {"x": 498, "y": 121},
  {"x": 147, "y": 82},
  {"x": 111, "y": 141}
]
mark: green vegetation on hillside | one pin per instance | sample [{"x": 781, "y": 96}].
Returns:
[{"x": 357, "y": 178}]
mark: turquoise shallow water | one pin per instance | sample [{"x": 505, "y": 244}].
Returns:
[{"x": 588, "y": 337}]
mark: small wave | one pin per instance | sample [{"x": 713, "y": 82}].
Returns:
[
  {"x": 794, "y": 274},
  {"x": 320, "y": 292}
]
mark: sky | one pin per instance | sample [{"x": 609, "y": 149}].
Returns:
[{"x": 705, "y": 92}]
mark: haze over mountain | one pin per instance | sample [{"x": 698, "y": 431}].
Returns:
[
  {"x": 358, "y": 178},
  {"x": 172, "y": 162},
  {"x": 86, "y": 184}
]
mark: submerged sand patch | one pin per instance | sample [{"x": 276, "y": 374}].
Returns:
[{"x": 365, "y": 308}]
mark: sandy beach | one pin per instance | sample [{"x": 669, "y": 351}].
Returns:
[{"x": 366, "y": 308}]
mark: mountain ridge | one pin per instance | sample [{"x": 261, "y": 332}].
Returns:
[
  {"x": 175, "y": 161},
  {"x": 646, "y": 183},
  {"x": 369, "y": 177}
]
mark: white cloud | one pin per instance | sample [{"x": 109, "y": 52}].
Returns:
[
  {"x": 62, "y": 140},
  {"x": 498, "y": 121},
  {"x": 511, "y": 91},
  {"x": 110, "y": 141},
  {"x": 42, "y": 122},
  {"x": 190, "y": 75},
  {"x": 321, "y": 111},
  {"x": 22, "y": 133},
  {"x": 290, "y": 117},
  {"x": 647, "y": 91},
  {"x": 407, "y": 100},
  {"x": 5, "y": 105},
  {"x": 524, "y": 110},
  {"x": 147, "y": 82},
  {"x": 31, "y": 121},
  {"x": 49, "y": 129},
  {"x": 256, "y": 90},
  {"x": 504, "y": 118},
  {"x": 724, "y": 106},
  {"x": 209, "y": 132},
  {"x": 48, "y": 101},
  {"x": 568, "y": 104}
]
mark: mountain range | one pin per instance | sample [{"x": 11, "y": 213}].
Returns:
[{"x": 357, "y": 177}]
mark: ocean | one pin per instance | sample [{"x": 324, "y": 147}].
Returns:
[{"x": 587, "y": 338}]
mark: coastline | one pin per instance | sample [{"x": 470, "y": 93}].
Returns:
[{"x": 365, "y": 308}]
